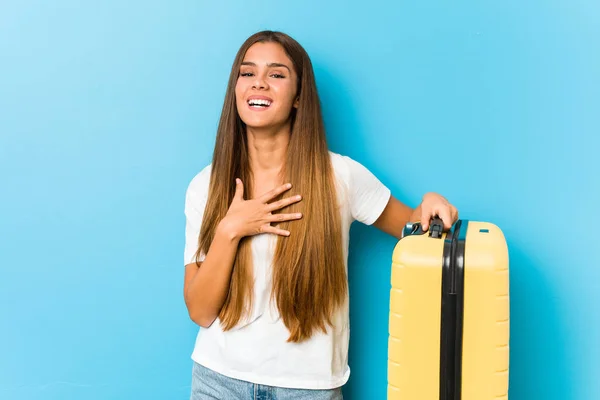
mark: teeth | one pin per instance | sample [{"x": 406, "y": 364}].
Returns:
[{"x": 256, "y": 102}]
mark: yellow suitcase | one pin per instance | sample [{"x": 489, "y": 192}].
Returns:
[{"x": 449, "y": 313}]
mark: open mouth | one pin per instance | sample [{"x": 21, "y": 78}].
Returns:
[{"x": 259, "y": 104}]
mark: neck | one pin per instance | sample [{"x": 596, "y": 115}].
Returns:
[{"x": 267, "y": 149}]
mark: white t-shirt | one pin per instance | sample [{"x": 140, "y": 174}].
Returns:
[{"x": 256, "y": 350}]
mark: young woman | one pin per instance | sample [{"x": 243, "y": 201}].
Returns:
[{"x": 267, "y": 225}]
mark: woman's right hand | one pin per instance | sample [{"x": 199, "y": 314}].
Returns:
[{"x": 252, "y": 217}]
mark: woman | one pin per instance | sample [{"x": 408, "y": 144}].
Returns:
[{"x": 267, "y": 226}]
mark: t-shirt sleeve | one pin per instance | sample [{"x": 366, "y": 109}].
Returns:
[
  {"x": 368, "y": 196},
  {"x": 195, "y": 202}
]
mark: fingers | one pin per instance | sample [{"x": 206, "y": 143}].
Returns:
[
  {"x": 274, "y": 193},
  {"x": 425, "y": 217},
  {"x": 284, "y": 217},
  {"x": 435, "y": 205},
  {"x": 283, "y": 202},
  {"x": 445, "y": 215},
  {"x": 277, "y": 231},
  {"x": 239, "y": 189},
  {"x": 454, "y": 214}
]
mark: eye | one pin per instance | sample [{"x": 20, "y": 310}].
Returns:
[
  {"x": 246, "y": 74},
  {"x": 277, "y": 75}
]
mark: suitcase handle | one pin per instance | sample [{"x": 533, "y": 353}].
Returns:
[{"x": 436, "y": 228}]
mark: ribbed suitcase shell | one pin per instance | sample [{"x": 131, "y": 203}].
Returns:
[{"x": 415, "y": 314}]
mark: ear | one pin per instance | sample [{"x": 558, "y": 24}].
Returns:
[{"x": 297, "y": 102}]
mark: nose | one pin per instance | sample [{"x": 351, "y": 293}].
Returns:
[{"x": 259, "y": 82}]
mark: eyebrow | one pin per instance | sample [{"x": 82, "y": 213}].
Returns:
[{"x": 270, "y": 65}]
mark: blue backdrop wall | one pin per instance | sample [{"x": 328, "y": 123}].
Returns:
[{"x": 107, "y": 110}]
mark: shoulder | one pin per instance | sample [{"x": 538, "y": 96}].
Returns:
[
  {"x": 341, "y": 171},
  {"x": 341, "y": 163},
  {"x": 199, "y": 184},
  {"x": 338, "y": 160},
  {"x": 351, "y": 174},
  {"x": 346, "y": 167},
  {"x": 365, "y": 193}
]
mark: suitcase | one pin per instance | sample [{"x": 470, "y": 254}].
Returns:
[{"x": 449, "y": 313}]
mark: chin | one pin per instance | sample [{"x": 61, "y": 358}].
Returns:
[
  {"x": 256, "y": 124},
  {"x": 261, "y": 123},
  {"x": 263, "y": 127}
]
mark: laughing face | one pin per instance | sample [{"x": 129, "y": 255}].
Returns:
[{"x": 266, "y": 88}]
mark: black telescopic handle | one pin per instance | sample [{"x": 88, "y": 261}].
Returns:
[{"x": 436, "y": 227}]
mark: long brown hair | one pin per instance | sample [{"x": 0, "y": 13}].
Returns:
[{"x": 309, "y": 275}]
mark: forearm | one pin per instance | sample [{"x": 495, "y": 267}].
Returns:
[
  {"x": 207, "y": 290},
  {"x": 395, "y": 216}
]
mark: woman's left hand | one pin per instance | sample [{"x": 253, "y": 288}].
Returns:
[{"x": 434, "y": 205}]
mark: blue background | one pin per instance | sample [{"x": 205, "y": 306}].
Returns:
[{"x": 108, "y": 109}]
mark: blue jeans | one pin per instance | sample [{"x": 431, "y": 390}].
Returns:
[{"x": 208, "y": 384}]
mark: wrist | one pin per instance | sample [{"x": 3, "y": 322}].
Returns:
[
  {"x": 227, "y": 230},
  {"x": 416, "y": 214}
]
